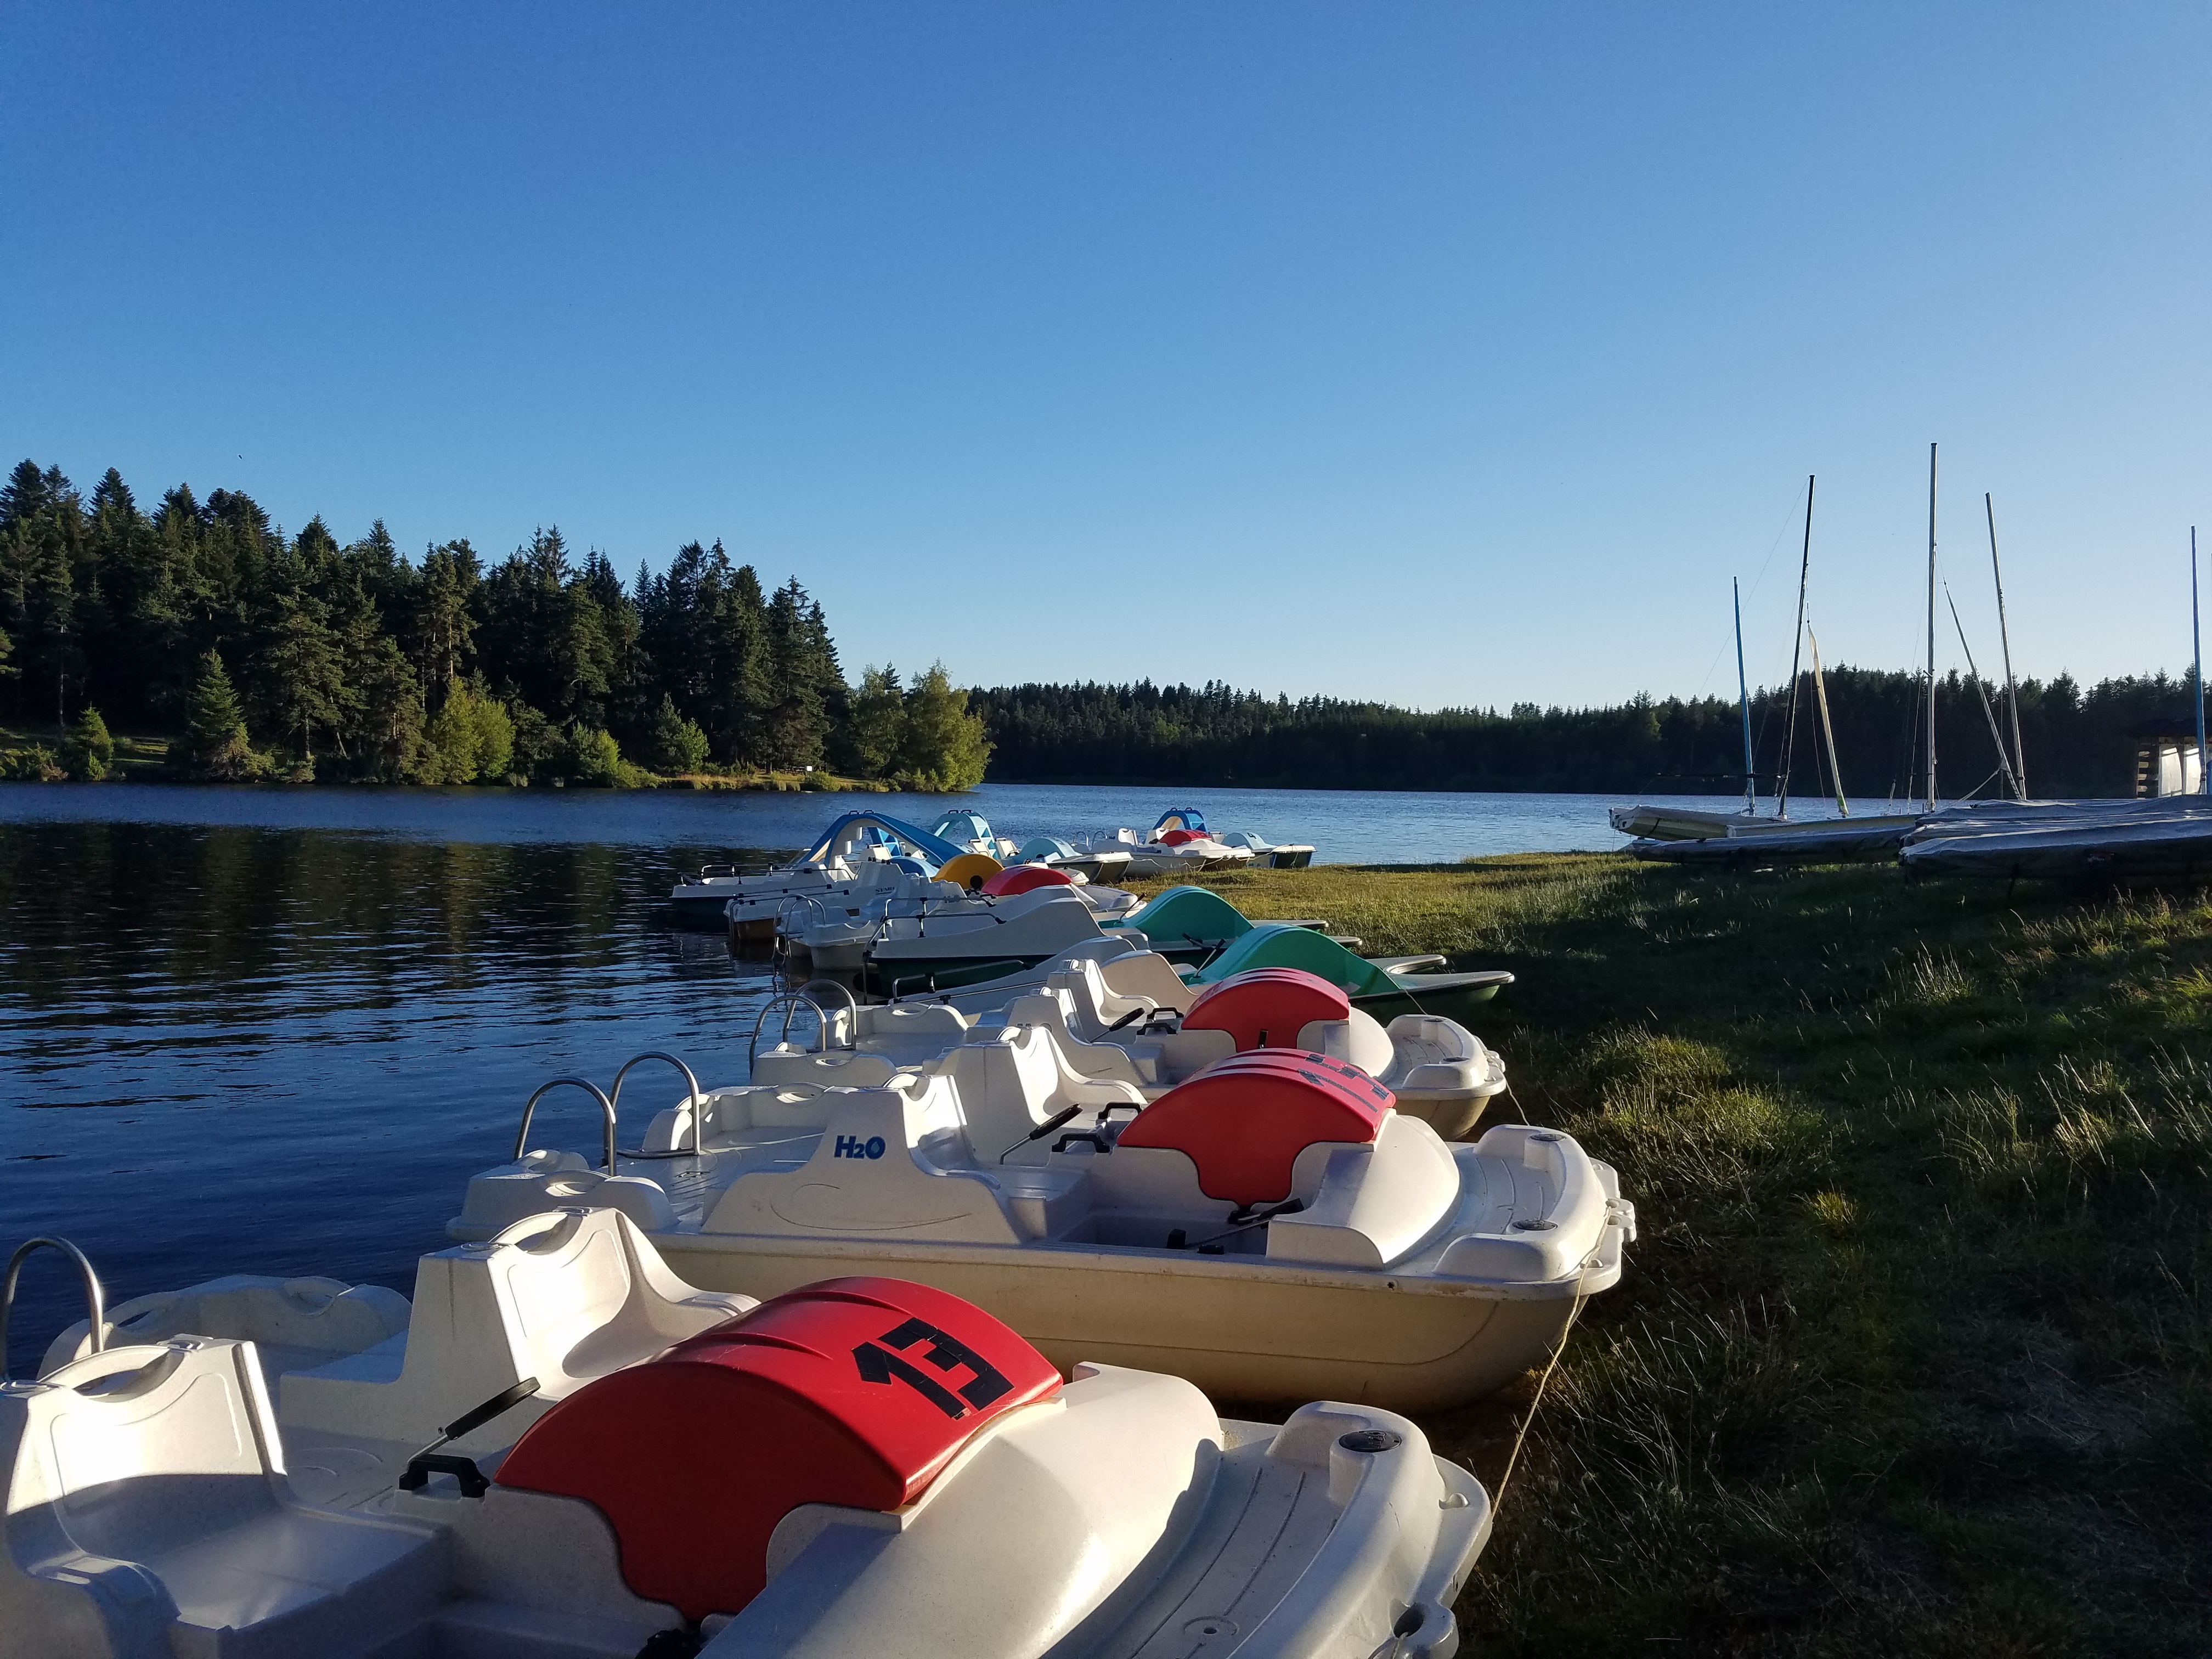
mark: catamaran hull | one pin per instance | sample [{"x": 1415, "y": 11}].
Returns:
[{"x": 1255, "y": 1331}]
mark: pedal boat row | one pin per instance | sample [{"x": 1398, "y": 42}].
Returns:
[
  {"x": 561, "y": 1450},
  {"x": 838, "y": 865},
  {"x": 1270, "y": 1226}
]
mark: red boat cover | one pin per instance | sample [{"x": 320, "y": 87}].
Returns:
[
  {"x": 1024, "y": 877},
  {"x": 1267, "y": 1007},
  {"x": 1243, "y": 1121},
  {"x": 852, "y": 1391},
  {"x": 1176, "y": 837}
]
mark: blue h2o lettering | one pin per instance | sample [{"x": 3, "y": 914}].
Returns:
[{"x": 853, "y": 1146}]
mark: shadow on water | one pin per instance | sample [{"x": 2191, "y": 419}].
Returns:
[{"x": 231, "y": 1050}]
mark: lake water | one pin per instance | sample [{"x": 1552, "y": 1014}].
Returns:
[{"x": 272, "y": 1030}]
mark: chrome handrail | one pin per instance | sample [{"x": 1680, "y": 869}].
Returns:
[
  {"x": 790, "y": 1002},
  {"x": 852, "y": 1010},
  {"x": 96, "y": 1299},
  {"x": 698, "y": 1102},
  {"x": 607, "y": 1106}
]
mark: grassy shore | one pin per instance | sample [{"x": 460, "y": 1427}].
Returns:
[
  {"x": 140, "y": 759},
  {"x": 1915, "y": 1354}
]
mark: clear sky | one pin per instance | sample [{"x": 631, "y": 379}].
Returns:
[{"x": 1444, "y": 353}]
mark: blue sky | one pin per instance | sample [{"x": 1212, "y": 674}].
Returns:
[{"x": 1443, "y": 354}]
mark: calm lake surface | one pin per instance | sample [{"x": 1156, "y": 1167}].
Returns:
[{"x": 273, "y": 1031}]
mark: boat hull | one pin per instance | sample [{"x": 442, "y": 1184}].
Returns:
[
  {"x": 750, "y": 930},
  {"x": 1454, "y": 996},
  {"x": 1255, "y": 1331}
]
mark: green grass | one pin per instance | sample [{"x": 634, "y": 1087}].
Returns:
[
  {"x": 134, "y": 755},
  {"x": 1915, "y": 1353}
]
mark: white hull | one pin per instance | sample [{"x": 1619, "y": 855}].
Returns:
[
  {"x": 182, "y": 1493},
  {"x": 1254, "y": 1334}
]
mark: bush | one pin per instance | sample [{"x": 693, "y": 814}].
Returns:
[
  {"x": 537, "y": 746},
  {"x": 942, "y": 748},
  {"x": 678, "y": 746},
  {"x": 31, "y": 765},
  {"x": 89, "y": 754},
  {"x": 470, "y": 740},
  {"x": 595, "y": 758}
]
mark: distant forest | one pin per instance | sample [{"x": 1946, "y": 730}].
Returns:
[
  {"x": 269, "y": 655},
  {"x": 261, "y": 654},
  {"x": 2076, "y": 741}
]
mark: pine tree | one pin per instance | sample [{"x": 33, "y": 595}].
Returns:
[
  {"x": 305, "y": 671},
  {"x": 390, "y": 726},
  {"x": 798, "y": 721},
  {"x": 443, "y": 630},
  {"x": 878, "y": 722},
  {"x": 50, "y": 610},
  {"x": 89, "y": 753},
  {"x": 216, "y": 745},
  {"x": 678, "y": 747},
  {"x": 734, "y": 623}
]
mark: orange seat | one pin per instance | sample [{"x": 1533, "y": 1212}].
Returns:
[
  {"x": 1243, "y": 1121},
  {"x": 1267, "y": 1007}
]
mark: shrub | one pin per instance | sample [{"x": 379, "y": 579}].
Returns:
[
  {"x": 31, "y": 765},
  {"x": 678, "y": 746},
  {"x": 595, "y": 758},
  {"x": 89, "y": 753}
]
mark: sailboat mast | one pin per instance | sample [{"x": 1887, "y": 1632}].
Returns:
[
  {"x": 1827, "y": 728},
  {"x": 2004, "y": 761},
  {"x": 1796, "y": 644},
  {"x": 2197, "y": 638},
  {"x": 2004, "y": 640},
  {"x": 1931, "y": 628},
  {"x": 1743, "y": 701}
]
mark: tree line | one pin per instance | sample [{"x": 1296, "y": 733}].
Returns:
[
  {"x": 264, "y": 654},
  {"x": 2077, "y": 742}
]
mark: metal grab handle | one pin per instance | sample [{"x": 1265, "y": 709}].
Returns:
[
  {"x": 698, "y": 1102},
  {"x": 790, "y": 1002},
  {"x": 96, "y": 1299},
  {"x": 852, "y": 1008},
  {"x": 607, "y": 1106}
]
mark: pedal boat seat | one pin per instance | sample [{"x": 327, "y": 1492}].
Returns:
[
  {"x": 852, "y": 1393},
  {"x": 1243, "y": 1121},
  {"x": 148, "y": 1512}
]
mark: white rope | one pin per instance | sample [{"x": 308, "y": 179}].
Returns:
[
  {"x": 1582, "y": 1295},
  {"x": 1544, "y": 1381}
]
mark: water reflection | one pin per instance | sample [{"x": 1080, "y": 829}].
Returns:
[{"x": 279, "y": 1051}]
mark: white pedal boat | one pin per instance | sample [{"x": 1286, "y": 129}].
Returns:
[
  {"x": 1271, "y": 1229},
  {"x": 1146, "y": 858},
  {"x": 861, "y": 1466},
  {"x": 843, "y": 939},
  {"x": 749, "y": 902},
  {"x": 970, "y": 831},
  {"x": 1276, "y": 855},
  {"x": 1153, "y": 1035},
  {"x": 1106, "y": 866}
]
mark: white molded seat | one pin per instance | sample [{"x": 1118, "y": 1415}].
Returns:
[
  {"x": 563, "y": 1297},
  {"x": 147, "y": 1515}
]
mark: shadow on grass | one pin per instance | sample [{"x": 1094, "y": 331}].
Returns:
[{"x": 1915, "y": 1353}]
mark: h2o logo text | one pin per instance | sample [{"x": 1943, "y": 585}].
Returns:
[{"x": 853, "y": 1146}]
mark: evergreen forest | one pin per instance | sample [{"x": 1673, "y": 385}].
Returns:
[
  {"x": 259, "y": 654},
  {"x": 2077, "y": 742}
]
